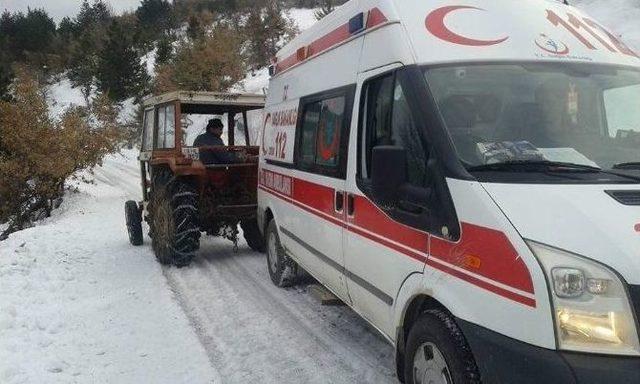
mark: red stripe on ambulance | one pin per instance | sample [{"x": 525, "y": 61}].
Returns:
[
  {"x": 483, "y": 257},
  {"x": 331, "y": 39}
]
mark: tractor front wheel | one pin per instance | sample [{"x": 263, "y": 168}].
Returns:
[
  {"x": 133, "y": 217},
  {"x": 174, "y": 223}
]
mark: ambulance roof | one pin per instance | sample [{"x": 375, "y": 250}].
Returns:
[{"x": 450, "y": 31}]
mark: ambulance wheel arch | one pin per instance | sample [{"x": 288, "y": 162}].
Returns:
[{"x": 411, "y": 314}]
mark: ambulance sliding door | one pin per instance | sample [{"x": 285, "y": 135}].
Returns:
[{"x": 315, "y": 225}]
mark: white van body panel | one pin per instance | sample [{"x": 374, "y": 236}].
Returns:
[
  {"x": 582, "y": 219},
  {"x": 506, "y": 294},
  {"x": 395, "y": 50},
  {"x": 384, "y": 268},
  {"x": 444, "y": 31},
  {"x": 490, "y": 276}
]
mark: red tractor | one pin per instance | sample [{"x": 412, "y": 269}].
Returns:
[{"x": 184, "y": 193}]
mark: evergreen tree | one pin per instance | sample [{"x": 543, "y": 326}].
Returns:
[
  {"x": 155, "y": 16},
  {"x": 267, "y": 29},
  {"x": 34, "y": 31},
  {"x": 165, "y": 49},
  {"x": 83, "y": 65},
  {"x": 88, "y": 30},
  {"x": 120, "y": 74},
  {"x": 92, "y": 15}
]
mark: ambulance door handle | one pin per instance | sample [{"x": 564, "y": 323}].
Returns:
[
  {"x": 339, "y": 201},
  {"x": 351, "y": 207}
]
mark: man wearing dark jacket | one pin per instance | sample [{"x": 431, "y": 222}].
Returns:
[{"x": 212, "y": 137}]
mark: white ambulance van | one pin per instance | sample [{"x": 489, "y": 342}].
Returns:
[{"x": 464, "y": 174}]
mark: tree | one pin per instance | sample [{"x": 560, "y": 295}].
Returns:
[
  {"x": 120, "y": 74},
  {"x": 267, "y": 29},
  {"x": 92, "y": 15},
  {"x": 326, "y": 7},
  {"x": 155, "y": 17},
  {"x": 35, "y": 31},
  {"x": 88, "y": 30},
  {"x": 164, "y": 51},
  {"x": 83, "y": 65},
  {"x": 210, "y": 63},
  {"x": 199, "y": 24},
  {"x": 25, "y": 38}
]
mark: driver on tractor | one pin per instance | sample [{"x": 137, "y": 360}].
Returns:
[{"x": 212, "y": 137}]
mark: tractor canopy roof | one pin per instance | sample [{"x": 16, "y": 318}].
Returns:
[{"x": 192, "y": 102}]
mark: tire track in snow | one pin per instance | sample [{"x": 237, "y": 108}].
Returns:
[{"x": 253, "y": 330}]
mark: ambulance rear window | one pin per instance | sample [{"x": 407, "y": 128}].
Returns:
[{"x": 321, "y": 132}]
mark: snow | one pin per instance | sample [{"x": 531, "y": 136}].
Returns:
[
  {"x": 304, "y": 18},
  {"x": 149, "y": 61},
  {"x": 255, "y": 82},
  {"x": 79, "y": 304},
  {"x": 63, "y": 95}
]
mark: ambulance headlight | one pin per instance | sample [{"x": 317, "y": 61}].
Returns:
[{"x": 591, "y": 307}]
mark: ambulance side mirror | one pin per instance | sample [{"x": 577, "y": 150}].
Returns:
[{"x": 388, "y": 172}]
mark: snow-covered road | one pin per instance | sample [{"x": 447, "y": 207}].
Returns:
[
  {"x": 255, "y": 332},
  {"x": 78, "y": 304}
]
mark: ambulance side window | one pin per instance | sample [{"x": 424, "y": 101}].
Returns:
[
  {"x": 323, "y": 132},
  {"x": 387, "y": 120}
]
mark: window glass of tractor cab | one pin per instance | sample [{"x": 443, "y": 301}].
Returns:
[
  {"x": 387, "y": 120},
  {"x": 147, "y": 140},
  {"x": 321, "y": 136},
  {"x": 166, "y": 127},
  {"x": 170, "y": 126}
]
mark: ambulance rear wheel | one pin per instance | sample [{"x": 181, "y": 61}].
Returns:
[
  {"x": 282, "y": 269},
  {"x": 438, "y": 353}
]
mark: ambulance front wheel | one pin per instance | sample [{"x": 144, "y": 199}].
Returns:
[
  {"x": 438, "y": 353},
  {"x": 282, "y": 269}
]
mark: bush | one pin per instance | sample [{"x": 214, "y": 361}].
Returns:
[{"x": 39, "y": 153}]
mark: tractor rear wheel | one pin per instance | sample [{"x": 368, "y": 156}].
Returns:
[
  {"x": 173, "y": 220},
  {"x": 252, "y": 235},
  {"x": 133, "y": 217}
]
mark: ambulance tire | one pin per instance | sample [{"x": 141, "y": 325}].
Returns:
[
  {"x": 282, "y": 269},
  {"x": 444, "y": 349}
]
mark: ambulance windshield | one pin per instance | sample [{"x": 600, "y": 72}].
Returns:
[{"x": 581, "y": 114}]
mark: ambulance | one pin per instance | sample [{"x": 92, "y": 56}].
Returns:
[{"x": 465, "y": 175}]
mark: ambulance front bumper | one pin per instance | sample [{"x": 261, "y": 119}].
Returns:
[{"x": 503, "y": 360}]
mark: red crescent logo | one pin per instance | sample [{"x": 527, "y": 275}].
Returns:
[{"x": 435, "y": 24}]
